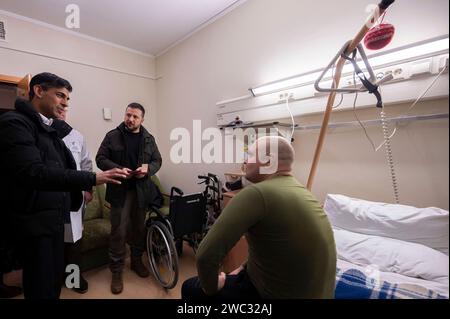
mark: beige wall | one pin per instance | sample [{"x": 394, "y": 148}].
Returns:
[
  {"x": 94, "y": 87},
  {"x": 264, "y": 40}
]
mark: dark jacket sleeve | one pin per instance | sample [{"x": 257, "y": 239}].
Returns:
[
  {"x": 22, "y": 158},
  {"x": 155, "y": 159},
  {"x": 103, "y": 157}
]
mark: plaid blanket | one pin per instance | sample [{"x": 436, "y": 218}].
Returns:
[{"x": 354, "y": 284}]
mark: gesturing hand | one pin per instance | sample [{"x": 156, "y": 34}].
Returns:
[
  {"x": 128, "y": 171},
  {"x": 221, "y": 280},
  {"x": 140, "y": 173},
  {"x": 111, "y": 176}
]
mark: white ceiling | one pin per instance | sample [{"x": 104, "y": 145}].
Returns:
[{"x": 148, "y": 26}]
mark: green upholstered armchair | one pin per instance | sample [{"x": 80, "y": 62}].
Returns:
[{"x": 97, "y": 228}]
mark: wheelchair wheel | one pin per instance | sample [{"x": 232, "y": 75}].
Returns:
[{"x": 162, "y": 255}]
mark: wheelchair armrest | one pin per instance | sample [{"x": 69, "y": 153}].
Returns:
[{"x": 155, "y": 209}]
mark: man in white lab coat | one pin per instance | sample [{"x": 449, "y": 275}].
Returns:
[{"x": 73, "y": 226}]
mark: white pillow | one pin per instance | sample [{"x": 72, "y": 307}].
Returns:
[
  {"x": 426, "y": 226},
  {"x": 409, "y": 259}
]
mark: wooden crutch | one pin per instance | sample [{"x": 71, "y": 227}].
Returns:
[{"x": 383, "y": 5}]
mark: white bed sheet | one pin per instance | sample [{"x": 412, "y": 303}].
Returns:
[{"x": 395, "y": 278}]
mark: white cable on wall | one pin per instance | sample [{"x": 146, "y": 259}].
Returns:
[{"x": 292, "y": 120}]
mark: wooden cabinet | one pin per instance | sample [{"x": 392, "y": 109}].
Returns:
[
  {"x": 239, "y": 253},
  {"x": 12, "y": 87}
]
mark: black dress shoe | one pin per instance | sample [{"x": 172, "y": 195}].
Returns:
[
  {"x": 84, "y": 286},
  {"x": 9, "y": 291}
]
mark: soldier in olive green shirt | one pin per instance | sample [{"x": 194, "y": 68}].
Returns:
[{"x": 292, "y": 252}]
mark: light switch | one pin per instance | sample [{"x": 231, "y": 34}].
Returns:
[{"x": 107, "y": 113}]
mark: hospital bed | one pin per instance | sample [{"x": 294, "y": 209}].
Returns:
[{"x": 389, "y": 251}]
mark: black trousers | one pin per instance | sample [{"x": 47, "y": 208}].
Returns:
[
  {"x": 43, "y": 268},
  {"x": 236, "y": 287}
]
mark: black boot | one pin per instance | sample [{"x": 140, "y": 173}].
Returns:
[
  {"x": 116, "y": 283},
  {"x": 84, "y": 286},
  {"x": 9, "y": 291}
]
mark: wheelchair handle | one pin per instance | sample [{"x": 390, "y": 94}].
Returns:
[
  {"x": 205, "y": 179},
  {"x": 176, "y": 190},
  {"x": 214, "y": 177}
]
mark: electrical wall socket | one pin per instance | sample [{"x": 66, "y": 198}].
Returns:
[{"x": 285, "y": 96}]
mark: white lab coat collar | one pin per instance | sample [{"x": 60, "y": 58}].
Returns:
[{"x": 46, "y": 120}]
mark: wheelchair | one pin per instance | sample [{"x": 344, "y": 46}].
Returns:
[{"x": 190, "y": 217}]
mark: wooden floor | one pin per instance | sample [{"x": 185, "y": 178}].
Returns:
[{"x": 134, "y": 287}]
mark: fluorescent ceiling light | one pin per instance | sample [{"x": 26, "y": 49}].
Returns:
[
  {"x": 412, "y": 52},
  {"x": 285, "y": 84},
  {"x": 402, "y": 54}
]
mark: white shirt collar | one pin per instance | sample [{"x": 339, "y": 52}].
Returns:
[{"x": 46, "y": 120}]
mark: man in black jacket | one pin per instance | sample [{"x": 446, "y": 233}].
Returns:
[
  {"x": 40, "y": 184},
  {"x": 130, "y": 147}
]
